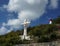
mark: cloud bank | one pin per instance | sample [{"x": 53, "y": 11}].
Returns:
[
  {"x": 53, "y": 4},
  {"x": 26, "y": 9}
]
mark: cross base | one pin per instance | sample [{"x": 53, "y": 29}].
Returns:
[{"x": 25, "y": 37}]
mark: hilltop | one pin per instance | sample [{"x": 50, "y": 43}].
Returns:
[{"x": 40, "y": 33}]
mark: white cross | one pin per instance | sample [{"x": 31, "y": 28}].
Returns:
[{"x": 25, "y": 23}]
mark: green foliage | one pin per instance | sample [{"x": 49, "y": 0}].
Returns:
[
  {"x": 57, "y": 20},
  {"x": 10, "y": 39},
  {"x": 45, "y": 33},
  {"x": 41, "y": 33}
]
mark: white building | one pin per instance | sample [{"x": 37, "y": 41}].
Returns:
[{"x": 50, "y": 21}]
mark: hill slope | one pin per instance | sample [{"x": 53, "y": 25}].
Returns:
[{"x": 41, "y": 33}]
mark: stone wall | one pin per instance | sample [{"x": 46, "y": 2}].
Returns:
[{"x": 56, "y": 43}]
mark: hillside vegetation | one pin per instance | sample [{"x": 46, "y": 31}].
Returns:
[{"x": 41, "y": 33}]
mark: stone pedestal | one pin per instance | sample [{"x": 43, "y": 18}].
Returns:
[{"x": 25, "y": 37}]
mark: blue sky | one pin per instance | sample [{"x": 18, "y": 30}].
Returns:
[{"x": 13, "y": 13}]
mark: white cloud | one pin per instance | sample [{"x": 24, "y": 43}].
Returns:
[
  {"x": 53, "y": 4},
  {"x": 19, "y": 5},
  {"x": 4, "y": 24},
  {"x": 4, "y": 30},
  {"x": 4, "y": 6},
  {"x": 14, "y": 23},
  {"x": 35, "y": 7},
  {"x": 31, "y": 15},
  {"x": 26, "y": 9},
  {"x": 33, "y": 1}
]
